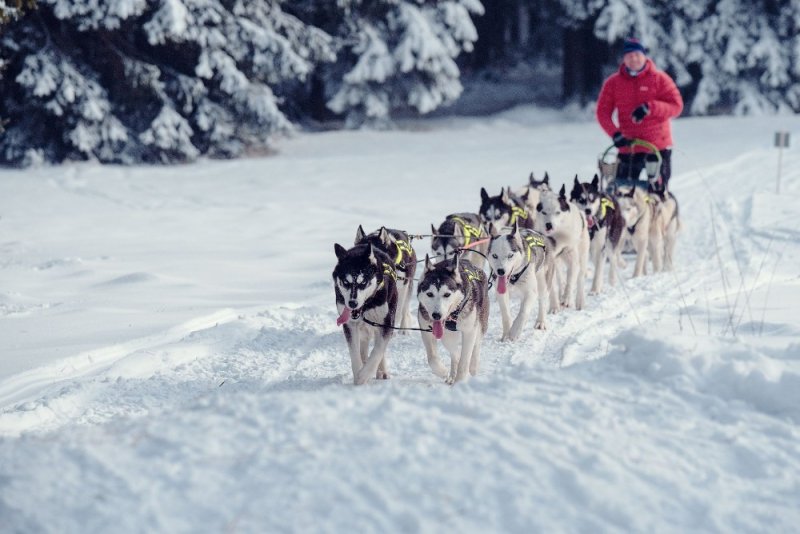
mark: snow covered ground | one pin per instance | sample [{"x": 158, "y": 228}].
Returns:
[{"x": 170, "y": 361}]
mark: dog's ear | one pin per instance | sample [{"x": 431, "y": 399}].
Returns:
[
  {"x": 562, "y": 193},
  {"x": 434, "y": 231},
  {"x": 360, "y": 234},
  {"x": 532, "y": 179},
  {"x": 526, "y": 194},
  {"x": 372, "y": 258},
  {"x": 504, "y": 196},
  {"x": 428, "y": 264},
  {"x": 546, "y": 179},
  {"x": 596, "y": 181},
  {"x": 517, "y": 236},
  {"x": 385, "y": 236},
  {"x": 576, "y": 188},
  {"x": 458, "y": 231},
  {"x": 339, "y": 250},
  {"x": 484, "y": 195},
  {"x": 457, "y": 269}
]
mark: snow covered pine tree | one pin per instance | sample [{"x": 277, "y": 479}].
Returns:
[
  {"x": 151, "y": 81},
  {"x": 398, "y": 55}
]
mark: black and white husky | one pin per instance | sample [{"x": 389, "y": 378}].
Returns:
[
  {"x": 453, "y": 307},
  {"x": 561, "y": 221},
  {"x": 606, "y": 224},
  {"x": 503, "y": 211},
  {"x": 366, "y": 300},
  {"x": 460, "y": 230},
  {"x": 397, "y": 245},
  {"x": 523, "y": 262}
]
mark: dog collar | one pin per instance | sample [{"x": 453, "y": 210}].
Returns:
[{"x": 605, "y": 203}]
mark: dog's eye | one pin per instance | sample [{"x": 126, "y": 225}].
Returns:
[
  {"x": 430, "y": 294},
  {"x": 511, "y": 255},
  {"x": 494, "y": 256},
  {"x": 446, "y": 295}
]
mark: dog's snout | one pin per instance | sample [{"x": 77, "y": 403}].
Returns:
[
  {"x": 548, "y": 226},
  {"x": 588, "y": 211},
  {"x": 352, "y": 304},
  {"x": 436, "y": 316},
  {"x": 501, "y": 272}
]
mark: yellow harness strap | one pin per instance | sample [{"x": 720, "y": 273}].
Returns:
[
  {"x": 388, "y": 269},
  {"x": 402, "y": 248},
  {"x": 469, "y": 230},
  {"x": 533, "y": 241},
  {"x": 604, "y": 204},
  {"x": 471, "y": 275},
  {"x": 517, "y": 212}
]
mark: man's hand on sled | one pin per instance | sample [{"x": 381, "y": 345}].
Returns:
[
  {"x": 640, "y": 113},
  {"x": 620, "y": 140}
]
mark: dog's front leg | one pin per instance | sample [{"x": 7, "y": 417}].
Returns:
[
  {"x": 458, "y": 372},
  {"x": 505, "y": 313},
  {"x": 377, "y": 355},
  {"x": 434, "y": 362},
  {"x": 641, "y": 258},
  {"x": 542, "y": 294},
  {"x": 583, "y": 260},
  {"x": 522, "y": 316},
  {"x": 352, "y": 335},
  {"x": 599, "y": 257},
  {"x": 475, "y": 362}
]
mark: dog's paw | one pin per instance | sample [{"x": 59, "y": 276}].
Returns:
[
  {"x": 382, "y": 375},
  {"x": 516, "y": 331},
  {"x": 450, "y": 380},
  {"x": 440, "y": 371},
  {"x": 540, "y": 325}
]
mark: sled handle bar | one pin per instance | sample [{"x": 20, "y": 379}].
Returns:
[{"x": 638, "y": 142}]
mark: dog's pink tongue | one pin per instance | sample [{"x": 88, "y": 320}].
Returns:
[
  {"x": 590, "y": 220},
  {"x": 438, "y": 331},
  {"x": 501, "y": 284},
  {"x": 344, "y": 317}
]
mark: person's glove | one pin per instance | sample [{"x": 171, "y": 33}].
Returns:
[
  {"x": 640, "y": 113},
  {"x": 620, "y": 140}
]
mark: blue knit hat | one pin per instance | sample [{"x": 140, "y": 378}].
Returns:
[{"x": 632, "y": 44}]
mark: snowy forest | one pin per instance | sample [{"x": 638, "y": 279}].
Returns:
[{"x": 168, "y": 81}]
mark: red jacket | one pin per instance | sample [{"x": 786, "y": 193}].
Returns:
[{"x": 624, "y": 92}]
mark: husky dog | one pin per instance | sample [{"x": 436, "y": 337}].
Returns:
[
  {"x": 503, "y": 211},
  {"x": 531, "y": 192},
  {"x": 522, "y": 259},
  {"x": 454, "y": 307},
  {"x": 366, "y": 299},
  {"x": 606, "y": 224},
  {"x": 663, "y": 230},
  {"x": 561, "y": 221},
  {"x": 397, "y": 245},
  {"x": 638, "y": 210},
  {"x": 460, "y": 230}
]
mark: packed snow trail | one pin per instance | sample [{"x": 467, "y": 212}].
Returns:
[{"x": 641, "y": 412}]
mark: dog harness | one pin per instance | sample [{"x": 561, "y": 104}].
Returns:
[
  {"x": 403, "y": 249},
  {"x": 452, "y": 320},
  {"x": 469, "y": 230},
  {"x": 517, "y": 213},
  {"x": 532, "y": 241}
]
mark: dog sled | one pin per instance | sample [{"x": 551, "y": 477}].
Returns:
[{"x": 608, "y": 165}]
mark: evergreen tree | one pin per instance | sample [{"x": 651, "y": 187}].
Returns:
[
  {"x": 399, "y": 55},
  {"x": 154, "y": 81}
]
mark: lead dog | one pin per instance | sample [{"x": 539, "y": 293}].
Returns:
[
  {"x": 454, "y": 308},
  {"x": 561, "y": 221},
  {"x": 524, "y": 263},
  {"x": 460, "y": 230},
  {"x": 606, "y": 224},
  {"x": 366, "y": 299},
  {"x": 397, "y": 245}
]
